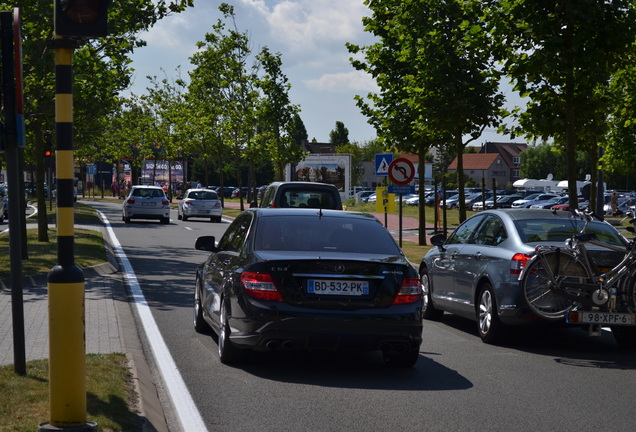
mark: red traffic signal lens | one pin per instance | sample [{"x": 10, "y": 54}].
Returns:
[
  {"x": 81, "y": 11},
  {"x": 47, "y": 153}
]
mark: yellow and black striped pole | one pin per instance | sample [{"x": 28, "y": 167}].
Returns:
[{"x": 66, "y": 283}]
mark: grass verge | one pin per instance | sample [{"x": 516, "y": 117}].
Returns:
[
  {"x": 89, "y": 251},
  {"x": 24, "y": 400}
]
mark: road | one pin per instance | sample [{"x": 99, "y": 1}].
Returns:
[{"x": 546, "y": 379}]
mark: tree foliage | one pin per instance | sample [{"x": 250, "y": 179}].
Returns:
[
  {"x": 101, "y": 69},
  {"x": 340, "y": 135},
  {"x": 436, "y": 84},
  {"x": 562, "y": 56}
]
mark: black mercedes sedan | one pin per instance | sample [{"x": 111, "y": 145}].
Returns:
[{"x": 308, "y": 279}]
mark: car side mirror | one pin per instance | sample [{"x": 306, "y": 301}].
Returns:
[
  {"x": 206, "y": 243},
  {"x": 438, "y": 240},
  {"x": 253, "y": 204}
]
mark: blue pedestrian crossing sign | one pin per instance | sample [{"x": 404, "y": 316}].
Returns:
[{"x": 382, "y": 162}]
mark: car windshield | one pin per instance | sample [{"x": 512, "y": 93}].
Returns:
[
  {"x": 314, "y": 233},
  {"x": 535, "y": 230}
]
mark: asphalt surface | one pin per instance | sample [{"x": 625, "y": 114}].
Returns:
[{"x": 109, "y": 323}]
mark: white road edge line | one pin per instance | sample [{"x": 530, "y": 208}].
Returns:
[{"x": 186, "y": 410}]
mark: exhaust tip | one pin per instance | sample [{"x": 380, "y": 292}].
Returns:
[{"x": 273, "y": 344}]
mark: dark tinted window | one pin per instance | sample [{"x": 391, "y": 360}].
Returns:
[
  {"x": 559, "y": 230},
  {"x": 491, "y": 232},
  {"x": 303, "y": 198},
  {"x": 234, "y": 238},
  {"x": 314, "y": 233}
]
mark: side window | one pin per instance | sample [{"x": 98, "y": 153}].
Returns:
[
  {"x": 268, "y": 196},
  {"x": 234, "y": 237},
  {"x": 491, "y": 232},
  {"x": 463, "y": 234}
]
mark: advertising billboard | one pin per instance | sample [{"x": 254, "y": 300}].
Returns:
[{"x": 323, "y": 168}]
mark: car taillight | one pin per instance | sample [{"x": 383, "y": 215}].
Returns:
[
  {"x": 165, "y": 202},
  {"x": 260, "y": 286},
  {"x": 518, "y": 262},
  {"x": 187, "y": 202},
  {"x": 218, "y": 204},
  {"x": 410, "y": 292},
  {"x": 131, "y": 201}
]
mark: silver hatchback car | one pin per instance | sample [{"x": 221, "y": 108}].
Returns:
[
  {"x": 146, "y": 202},
  {"x": 475, "y": 272},
  {"x": 203, "y": 203}
]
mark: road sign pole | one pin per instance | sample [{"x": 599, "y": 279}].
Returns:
[
  {"x": 400, "y": 220},
  {"x": 7, "y": 23},
  {"x": 401, "y": 172}
]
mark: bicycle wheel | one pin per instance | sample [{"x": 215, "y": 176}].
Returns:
[
  {"x": 543, "y": 278},
  {"x": 627, "y": 288}
]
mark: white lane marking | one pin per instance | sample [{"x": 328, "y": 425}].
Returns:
[{"x": 185, "y": 408}]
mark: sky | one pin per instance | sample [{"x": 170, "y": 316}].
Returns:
[{"x": 310, "y": 35}]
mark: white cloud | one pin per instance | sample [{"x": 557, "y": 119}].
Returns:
[
  {"x": 355, "y": 81},
  {"x": 311, "y": 28}
]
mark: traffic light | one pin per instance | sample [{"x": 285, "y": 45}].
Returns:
[
  {"x": 47, "y": 158},
  {"x": 81, "y": 18}
]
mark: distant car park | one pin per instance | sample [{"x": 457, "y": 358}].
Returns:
[{"x": 533, "y": 199}]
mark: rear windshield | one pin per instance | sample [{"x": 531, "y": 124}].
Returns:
[
  {"x": 203, "y": 195},
  {"x": 559, "y": 230},
  {"x": 313, "y": 233},
  {"x": 303, "y": 198},
  {"x": 148, "y": 193}
]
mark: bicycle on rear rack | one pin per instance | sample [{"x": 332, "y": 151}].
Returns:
[{"x": 564, "y": 283}]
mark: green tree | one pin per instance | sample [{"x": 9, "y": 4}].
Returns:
[
  {"x": 340, "y": 135},
  {"x": 224, "y": 83},
  {"x": 101, "y": 69},
  {"x": 165, "y": 102},
  {"x": 562, "y": 55},
  {"x": 276, "y": 113},
  {"x": 543, "y": 159},
  {"x": 436, "y": 85},
  {"x": 298, "y": 131}
]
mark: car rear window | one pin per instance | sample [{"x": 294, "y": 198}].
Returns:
[
  {"x": 314, "y": 233},
  {"x": 559, "y": 230},
  {"x": 148, "y": 193},
  {"x": 203, "y": 195},
  {"x": 303, "y": 198}
]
